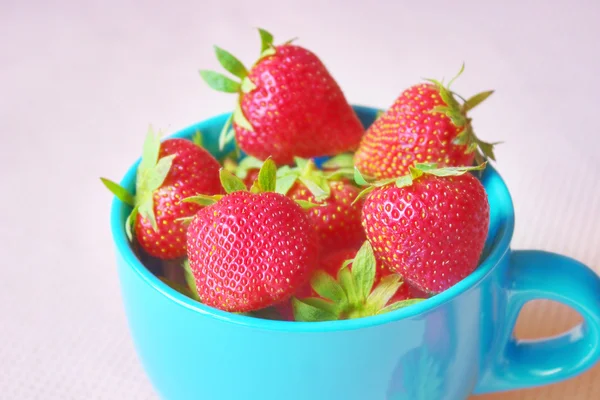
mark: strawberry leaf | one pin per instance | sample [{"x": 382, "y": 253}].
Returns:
[
  {"x": 120, "y": 192},
  {"x": 130, "y": 223},
  {"x": 326, "y": 286},
  {"x": 266, "y": 40},
  {"x": 255, "y": 188},
  {"x": 383, "y": 292},
  {"x": 399, "y": 304},
  {"x": 225, "y": 137},
  {"x": 475, "y": 100},
  {"x": 189, "y": 279},
  {"x": 344, "y": 160},
  {"x": 231, "y": 63},
  {"x": 158, "y": 174},
  {"x": 150, "y": 151},
  {"x": 404, "y": 181},
  {"x": 247, "y": 85},
  {"x": 363, "y": 193},
  {"x": 347, "y": 173},
  {"x": 246, "y": 165},
  {"x": 462, "y": 138},
  {"x": 197, "y": 139},
  {"x": 267, "y": 176},
  {"x": 441, "y": 110},
  {"x": 146, "y": 210},
  {"x": 358, "y": 178},
  {"x": 346, "y": 280},
  {"x": 307, "y": 205},
  {"x": 487, "y": 149},
  {"x": 452, "y": 171},
  {"x": 178, "y": 287},
  {"x": 203, "y": 200},
  {"x": 240, "y": 119},
  {"x": 316, "y": 311},
  {"x": 285, "y": 183},
  {"x": 323, "y": 305},
  {"x": 185, "y": 220},
  {"x": 363, "y": 270},
  {"x": 220, "y": 82},
  {"x": 230, "y": 182},
  {"x": 268, "y": 52},
  {"x": 462, "y": 69},
  {"x": 315, "y": 189},
  {"x": 301, "y": 163},
  {"x": 425, "y": 166}
]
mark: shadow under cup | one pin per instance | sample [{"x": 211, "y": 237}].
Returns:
[{"x": 445, "y": 347}]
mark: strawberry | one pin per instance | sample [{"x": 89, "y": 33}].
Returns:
[
  {"x": 429, "y": 226},
  {"x": 168, "y": 172},
  {"x": 288, "y": 105},
  {"x": 357, "y": 291},
  {"x": 252, "y": 249},
  {"x": 336, "y": 220},
  {"x": 426, "y": 124}
]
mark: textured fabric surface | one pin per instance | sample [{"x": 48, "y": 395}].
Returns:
[{"x": 81, "y": 81}]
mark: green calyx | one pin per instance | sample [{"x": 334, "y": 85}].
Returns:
[
  {"x": 151, "y": 175},
  {"x": 457, "y": 113},
  {"x": 415, "y": 172},
  {"x": 352, "y": 294},
  {"x": 265, "y": 182},
  {"x": 305, "y": 171},
  {"x": 188, "y": 289},
  {"x": 240, "y": 83},
  {"x": 314, "y": 179}
]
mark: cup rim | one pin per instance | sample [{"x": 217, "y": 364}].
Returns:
[{"x": 124, "y": 250}]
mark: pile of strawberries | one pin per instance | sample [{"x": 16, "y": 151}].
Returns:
[{"x": 396, "y": 214}]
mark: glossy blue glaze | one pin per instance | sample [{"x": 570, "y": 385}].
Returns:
[{"x": 446, "y": 347}]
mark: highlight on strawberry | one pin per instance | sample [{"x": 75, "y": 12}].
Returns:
[
  {"x": 429, "y": 226},
  {"x": 287, "y": 104},
  {"x": 428, "y": 123}
]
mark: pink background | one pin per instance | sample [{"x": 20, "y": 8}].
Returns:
[{"x": 81, "y": 81}]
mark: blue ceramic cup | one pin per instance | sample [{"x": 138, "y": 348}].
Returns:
[{"x": 447, "y": 347}]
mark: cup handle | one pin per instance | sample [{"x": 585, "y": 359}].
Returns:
[{"x": 527, "y": 363}]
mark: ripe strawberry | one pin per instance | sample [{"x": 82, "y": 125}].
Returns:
[
  {"x": 426, "y": 124},
  {"x": 336, "y": 220},
  {"x": 288, "y": 105},
  {"x": 169, "y": 172},
  {"x": 361, "y": 289},
  {"x": 250, "y": 250},
  {"x": 430, "y": 226}
]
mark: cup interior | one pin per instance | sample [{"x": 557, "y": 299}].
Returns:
[{"x": 497, "y": 243}]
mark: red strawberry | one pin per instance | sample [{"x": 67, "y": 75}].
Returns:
[
  {"x": 429, "y": 227},
  {"x": 288, "y": 105},
  {"x": 361, "y": 289},
  {"x": 250, "y": 250},
  {"x": 337, "y": 219},
  {"x": 169, "y": 172},
  {"x": 426, "y": 124}
]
